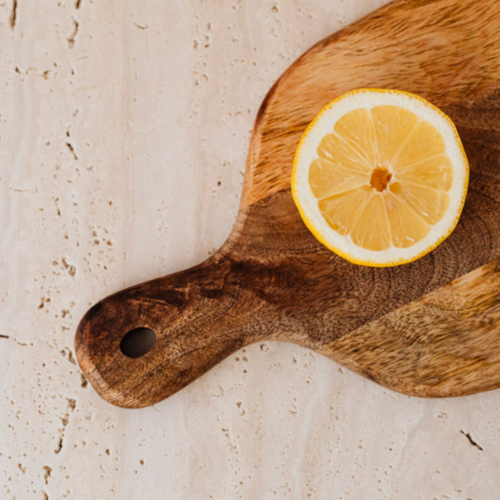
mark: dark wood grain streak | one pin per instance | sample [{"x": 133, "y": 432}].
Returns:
[{"x": 428, "y": 328}]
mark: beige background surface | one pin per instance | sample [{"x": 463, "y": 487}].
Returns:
[{"x": 124, "y": 127}]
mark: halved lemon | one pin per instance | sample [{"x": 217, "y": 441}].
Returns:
[{"x": 380, "y": 177}]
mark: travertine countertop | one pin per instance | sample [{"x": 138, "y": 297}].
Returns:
[{"x": 124, "y": 128}]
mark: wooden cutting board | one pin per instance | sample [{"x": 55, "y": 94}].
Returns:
[{"x": 430, "y": 328}]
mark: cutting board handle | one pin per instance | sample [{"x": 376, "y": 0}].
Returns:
[{"x": 143, "y": 344}]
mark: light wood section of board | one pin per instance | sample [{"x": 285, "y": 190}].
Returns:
[{"x": 401, "y": 50}]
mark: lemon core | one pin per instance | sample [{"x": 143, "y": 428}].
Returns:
[{"x": 380, "y": 179}]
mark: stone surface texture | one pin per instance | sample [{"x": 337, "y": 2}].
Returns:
[{"x": 124, "y": 128}]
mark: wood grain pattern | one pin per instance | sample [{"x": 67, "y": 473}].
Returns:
[
  {"x": 447, "y": 343},
  {"x": 444, "y": 51},
  {"x": 407, "y": 327}
]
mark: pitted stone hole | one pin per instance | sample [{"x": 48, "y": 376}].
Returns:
[{"x": 138, "y": 342}]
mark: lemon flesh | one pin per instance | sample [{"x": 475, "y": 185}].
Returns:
[{"x": 380, "y": 177}]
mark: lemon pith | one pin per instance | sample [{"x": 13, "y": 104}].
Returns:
[{"x": 380, "y": 177}]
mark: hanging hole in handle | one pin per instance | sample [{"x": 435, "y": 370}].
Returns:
[{"x": 138, "y": 342}]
